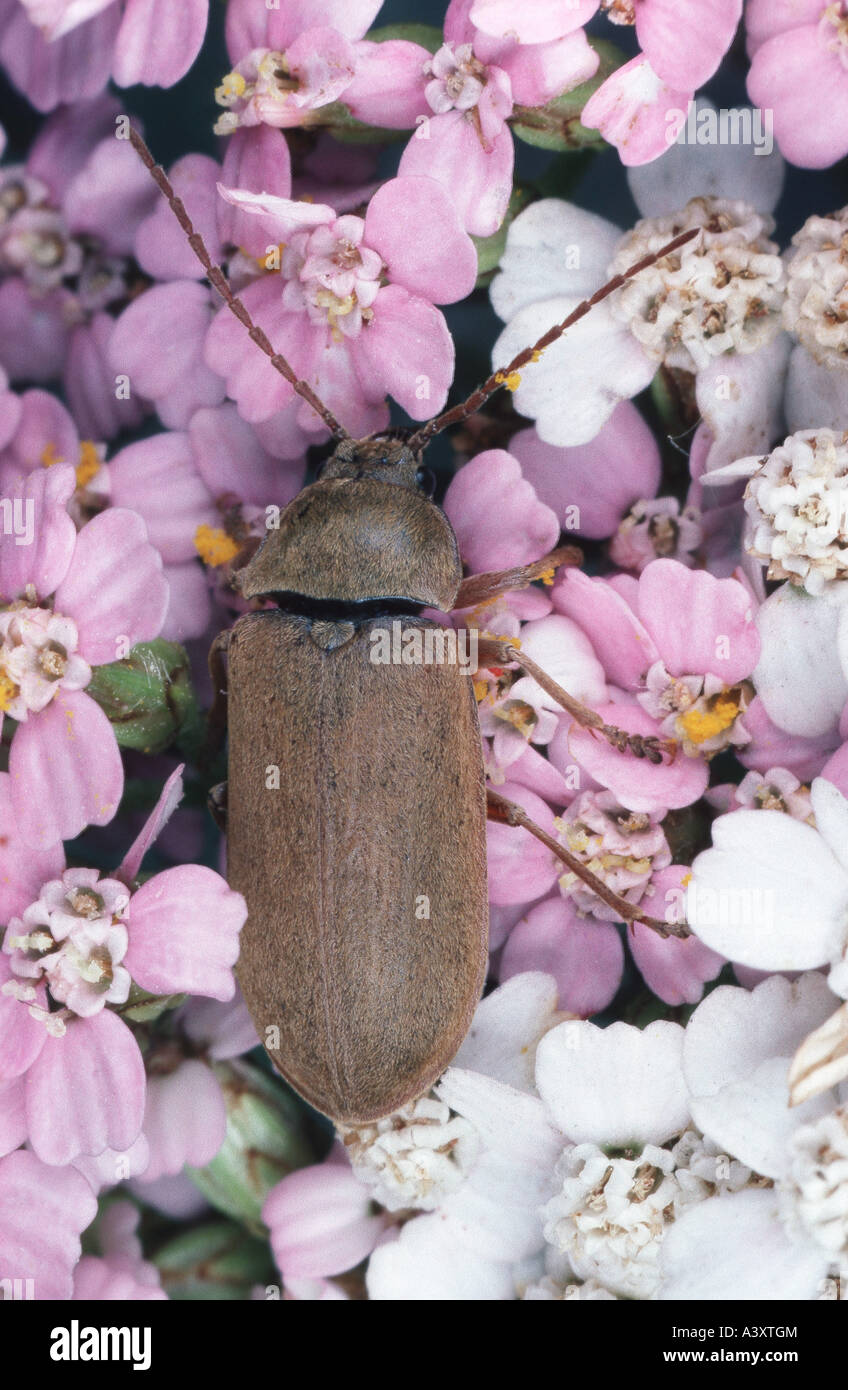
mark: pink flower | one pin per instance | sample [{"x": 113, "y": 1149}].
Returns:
[
  {"x": 77, "y": 1072},
  {"x": 321, "y": 1221},
  {"x": 290, "y": 60},
  {"x": 498, "y": 519},
  {"x": 623, "y": 848},
  {"x": 43, "y": 1212},
  {"x": 471, "y": 87},
  {"x": 71, "y": 601},
  {"x": 799, "y": 69},
  {"x": 585, "y": 956},
  {"x": 65, "y": 50},
  {"x": 355, "y": 312}
]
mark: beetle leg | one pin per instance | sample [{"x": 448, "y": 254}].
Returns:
[
  {"x": 493, "y": 651},
  {"x": 482, "y": 588},
  {"x": 506, "y": 812},
  {"x": 216, "y": 800},
  {"x": 216, "y": 727}
]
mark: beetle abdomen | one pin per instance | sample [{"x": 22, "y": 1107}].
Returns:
[{"x": 357, "y": 835}]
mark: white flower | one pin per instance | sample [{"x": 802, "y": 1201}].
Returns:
[
  {"x": 816, "y": 306},
  {"x": 796, "y": 501},
  {"x": 773, "y": 892},
  {"x": 751, "y": 1243},
  {"x": 414, "y": 1158},
  {"x": 816, "y": 1188},
  {"x": 722, "y": 292},
  {"x": 802, "y": 674}
]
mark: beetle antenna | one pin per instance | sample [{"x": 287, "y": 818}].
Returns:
[
  {"x": 501, "y": 377},
  {"x": 218, "y": 279}
]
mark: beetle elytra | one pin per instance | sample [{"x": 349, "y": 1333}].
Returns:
[{"x": 364, "y": 870}]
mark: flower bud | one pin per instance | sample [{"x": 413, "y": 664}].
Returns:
[{"x": 148, "y": 696}]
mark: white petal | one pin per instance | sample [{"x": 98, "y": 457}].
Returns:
[
  {"x": 831, "y": 812},
  {"x": 816, "y": 397},
  {"x": 717, "y": 170},
  {"x": 426, "y": 1263},
  {"x": 506, "y": 1028},
  {"x": 732, "y": 472},
  {"x": 496, "y": 1213},
  {"x": 507, "y": 1120},
  {"x": 769, "y": 893},
  {"x": 736, "y": 1057},
  {"x": 741, "y": 398},
  {"x": 617, "y": 1085},
  {"x": 799, "y": 677},
  {"x": 736, "y": 1248},
  {"x": 573, "y": 390},
  {"x": 552, "y": 248}
]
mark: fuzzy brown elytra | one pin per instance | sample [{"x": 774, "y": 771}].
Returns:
[{"x": 364, "y": 953}]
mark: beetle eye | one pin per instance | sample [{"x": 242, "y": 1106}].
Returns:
[{"x": 426, "y": 480}]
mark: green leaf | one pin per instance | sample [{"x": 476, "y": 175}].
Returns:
[
  {"x": 557, "y": 126},
  {"x": 216, "y": 1261}
]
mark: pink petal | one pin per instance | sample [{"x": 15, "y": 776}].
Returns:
[
  {"x": 624, "y": 647},
  {"x": 230, "y": 459},
  {"x": 44, "y": 1212},
  {"x": 764, "y": 18},
  {"x": 836, "y": 769},
  {"x": 158, "y": 41},
  {"x": 351, "y": 17},
  {"x": 66, "y": 140},
  {"x": 23, "y": 870},
  {"x": 539, "y": 72},
  {"x": 279, "y": 217},
  {"x": 66, "y": 770},
  {"x": 251, "y": 380},
  {"x": 700, "y": 624},
  {"x": 539, "y": 775},
  {"x": 481, "y": 497},
  {"x": 388, "y": 85},
  {"x": 406, "y": 350},
  {"x": 169, "y": 799},
  {"x": 595, "y": 483},
  {"x": 631, "y": 110},
  {"x": 34, "y": 331},
  {"x": 21, "y": 1036},
  {"x": 184, "y": 926},
  {"x": 45, "y": 430},
  {"x": 74, "y": 68},
  {"x": 531, "y": 21},
  {"x": 521, "y": 869},
  {"x": 114, "y": 588},
  {"x": 189, "y": 602},
  {"x": 90, "y": 383},
  {"x": 85, "y": 1091},
  {"x": 185, "y": 1119},
  {"x": 416, "y": 228},
  {"x": 110, "y": 196},
  {"x": 676, "y": 970},
  {"x": 44, "y": 562},
  {"x": 158, "y": 342},
  {"x": 771, "y": 746},
  {"x": 13, "y": 1128},
  {"x": 797, "y": 77},
  {"x": 636, "y": 783},
  {"x": 479, "y": 181},
  {"x": 158, "y": 478},
  {"x": 99, "y": 1281},
  {"x": 586, "y": 958},
  {"x": 320, "y": 1221},
  {"x": 257, "y": 158},
  {"x": 685, "y": 42},
  {"x": 161, "y": 246}
]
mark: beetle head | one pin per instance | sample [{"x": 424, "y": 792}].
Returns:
[{"x": 385, "y": 458}]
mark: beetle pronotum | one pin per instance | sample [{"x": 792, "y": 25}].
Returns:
[{"x": 382, "y": 802}]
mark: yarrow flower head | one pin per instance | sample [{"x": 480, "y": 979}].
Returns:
[
  {"x": 816, "y": 306},
  {"x": 656, "y": 530},
  {"x": 796, "y": 502},
  {"x": 623, "y": 848},
  {"x": 722, "y": 292},
  {"x": 414, "y": 1158}
]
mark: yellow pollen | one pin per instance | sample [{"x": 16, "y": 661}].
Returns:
[
  {"x": 89, "y": 464},
  {"x": 481, "y": 690},
  {"x": 511, "y": 382},
  {"x": 214, "y": 546},
  {"x": 232, "y": 86},
  {"x": 8, "y": 691},
  {"x": 701, "y": 725},
  {"x": 547, "y": 576},
  {"x": 50, "y": 455},
  {"x": 536, "y": 355}
]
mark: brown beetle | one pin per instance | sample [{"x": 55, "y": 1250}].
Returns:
[{"x": 364, "y": 954}]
